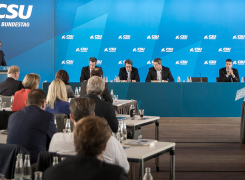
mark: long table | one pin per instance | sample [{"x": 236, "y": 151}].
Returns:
[{"x": 180, "y": 99}]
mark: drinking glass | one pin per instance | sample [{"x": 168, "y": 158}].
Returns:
[
  {"x": 38, "y": 175},
  {"x": 141, "y": 111},
  {"x": 67, "y": 122},
  {"x": 115, "y": 98},
  {"x": 1, "y": 106}
]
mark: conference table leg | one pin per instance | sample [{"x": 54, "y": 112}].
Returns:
[
  {"x": 132, "y": 171},
  {"x": 141, "y": 169},
  {"x": 157, "y": 138},
  {"x": 172, "y": 165}
]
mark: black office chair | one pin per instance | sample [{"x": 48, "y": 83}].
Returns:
[
  {"x": 218, "y": 79},
  {"x": 198, "y": 79},
  {"x": 61, "y": 123},
  {"x": 45, "y": 160},
  {"x": 8, "y": 153},
  {"x": 4, "y": 117}
]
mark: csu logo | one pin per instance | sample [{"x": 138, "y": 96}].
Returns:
[
  {"x": 12, "y": 9},
  {"x": 210, "y": 37},
  {"x": 239, "y": 62},
  {"x": 210, "y": 62},
  {"x": 150, "y": 62},
  {"x": 124, "y": 37},
  {"x": 224, "y": 50},
  {"x": 181, "y": 62},
  {"x": 239, "y": 37},
  {"x": 183, "y": 37},
  {"x": 140, "y": 49},
  {"x": 99, "y": 62},
  {"x": 167, "y": 49},
  {"x": 154, "y": 37},
  {"x": 68, "y": 62},
  {"x": 196, "y": 50},
  {"x": 82, "y": 49},
  {"x": 121, "y": 62},
  {"x": 67, "y": 37},
  {"x": 111, "y": 49},
  {"x": 96, "y": 37}
]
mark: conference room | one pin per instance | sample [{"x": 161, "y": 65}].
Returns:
[{"x": 162, "y": 81}]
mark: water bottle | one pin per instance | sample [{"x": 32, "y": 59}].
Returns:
[
  {"x": 242, "y": 80},
  {"x": 76, "y": 93},
  {"x": 147, "y": 175},
  {"x": 115, "y": 79},
  {"x": 18, "y": 173},
  {"x": 106, "y": 79},
  {"x": 67, "y": 126},
  {"x": 190, "y": 80},
  {"x": 55, "y": 122},
  {"x": 120, "y": 133},
  {"x": 55, "y": 160},
  {"x": 132, "y": 111},
  {"x": 27, "y": 168},
  {"x": 178, "y": 79},
  {"x": 124, "y": 131},
  {"x": 38, "y": 175},
  {"x": 11, "y": 101},
  {"x": 112, "y": 94},
  {"x": 79, "y": 91}
]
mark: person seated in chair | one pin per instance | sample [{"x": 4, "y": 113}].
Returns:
[
  {"x": 63, "y": 143},
  {"x": 228, "y": 74},
  {"x": 32, "y": 127},
  {"x": 90, "y": 138}
]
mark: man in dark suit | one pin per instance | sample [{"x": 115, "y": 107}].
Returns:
[
  {"x": 2, "y": 60},
  {"x": 90, "y": 138},
  {"x": 86, "y": 71},
  {"x": 32, "y": 127},
  {"x": 228, "y": 74},
  {"x": 11, "y": 84},
  {"x": 106, "y": 93},
  {"x": 129, "y": 73},
  {"x": 159, "y": 73},
  {"x": 95, "y": 87}
]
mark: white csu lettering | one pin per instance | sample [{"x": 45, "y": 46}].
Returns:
[{"x": 11, "y": 9}]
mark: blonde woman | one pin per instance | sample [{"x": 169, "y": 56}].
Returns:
[
  {"x": 30, "y": 82},
  {"x": 57, "y": 98}
]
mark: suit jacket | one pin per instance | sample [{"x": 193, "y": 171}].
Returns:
[
  {"x": 85, "y": 73},
  {"x": 2, "y": 60},
  {"x": 10, "y": 86},
  {"x": 124, "y": 75},
  {"x": 32, "y": 128},
  {"x": 60, "y": 107},
  {"x": 85, "y": 168},
  {"x": 166, "y": 74},
  {"x": 105, "y": 110},
  {"x": 106, "y": 96},
  {"x": 20, "y": 98},
  {"x": 223, "y": 78}
]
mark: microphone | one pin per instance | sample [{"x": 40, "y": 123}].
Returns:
[{"x": 200, "y": 77}]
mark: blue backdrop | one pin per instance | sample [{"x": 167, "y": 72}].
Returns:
[{"x": 191, "y": 36}]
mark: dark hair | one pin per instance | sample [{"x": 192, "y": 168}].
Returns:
[
  {"x": 158, "y": 60},
  {"x": 91, "y": 135},
  {"x": 62, "y": 75},
  {"x": 93, "y": 59},
  {"x": 82, "y": 107},
  {"x": 128, "y": 61},
  {"x": 36, "y": 97},
  {"x": 97, "y": 72},
  {"x": 228, "y": 60}
]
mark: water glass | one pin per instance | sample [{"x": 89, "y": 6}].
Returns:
[
  {"x": 67, "y": 122},
  {"x": 1, "y": 106},
  {"x": 141, "y": 111},
  {"x": 115, "y": 98},
  {"x": 38, "y": 175}
]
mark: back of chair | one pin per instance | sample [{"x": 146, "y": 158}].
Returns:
[
  {"x": 217, "y": 79},
  {"x": 4, "y": 116},
  {"x": 60, "y": 122},
  {"x": 45, "y": 160},
  {"x": 198, "y": 79},
  {"x": 8, "y": 153},
  {"x": 6, "y": 99}
]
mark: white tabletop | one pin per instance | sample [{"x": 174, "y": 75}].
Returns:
[
  {"x": 7, "y": 109},
  {"x": 142, "y": 152},
  {"x": 3, "y": 138},
  {"x": 137, "y": 120},
  {"x": 121, "y": 102}
]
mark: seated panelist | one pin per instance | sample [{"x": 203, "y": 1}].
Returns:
[
  {"x": 86, "y": 71},
  {"x": 159, "y": 72},
  {"x": 128, "y": 72},
  {"x": 228, "y": 74}
]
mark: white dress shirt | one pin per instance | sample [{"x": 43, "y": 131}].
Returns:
[
  {"x": 63, "y": 143},
  {"x": 159, "y": 75}
]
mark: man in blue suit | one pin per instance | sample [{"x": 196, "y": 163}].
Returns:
[{"x": 32, "y": 127}]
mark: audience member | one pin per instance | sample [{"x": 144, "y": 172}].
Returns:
[
  {"x": 95, "y": 87},
  {"x": 32, "y": 127},
  {"x": 57, "y": 98},
  {"x": 11, "y": 84},
  {"x": 30, "y": 82},
  {"x": 63, "y": 75},
  {"x": 106, "y": 93},
  {"x": 90, "y": 138},
  {"x": 63, "y": 143}
]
